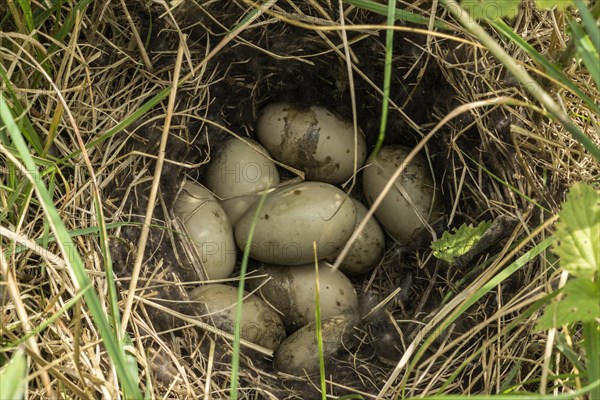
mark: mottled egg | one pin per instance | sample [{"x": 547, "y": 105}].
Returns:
[
  {"x": 410, "y": 202},
  {"x": 368, "y": 249},
  {"x": 295, "y": 216},
  {"x": 312, "y": 139},
  {"x": 259, "y": 323},
  {"x": 291, "y": 290},
  {"x": 209, "y": 229}
]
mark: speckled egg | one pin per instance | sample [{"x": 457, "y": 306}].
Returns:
[
  {"x": 241, "y": 169},
  {"x": 299, "y": 353}
]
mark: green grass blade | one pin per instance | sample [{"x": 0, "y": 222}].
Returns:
[
  {"x": 519, "y": 396},
  {"x": 504, "y": 183},
  {"x": 50, "y": 320},
  {"x": 486, "y": 288},
  {"x": 69, "y": 250},
  {"x": 517, "y": 322},
  {"x": 26, "y": 8},
  {"x": 41, "y": 15},
  {"x": 590, "y": 23},
  {"x": 399, "y": 14},
  {"x": 319, "y": 326},
  {"x": 113, "y": 299},
  {"x": 136, "y": 115},
  {"x": 591, "y": 343},
  {"x": 132, "y": 362},
  {"x": 67, "y": 26},
  {"x": 566, "y": 348},
  {"x": 520, "y": 74},
  {"x": 74, "y": 233},
  {"x": 510, "y": 377},
  {"x": 19, "y": 191},
  {"x": 387, "y": 75},
  {"x": 24, "y": 123},
  {"x": 506, "y": 273},
  {"x": 557, "y": 380},
  {"x": 587, "y": 52},
  {"x": 552, "y": 70},
  {"x": 13, "y": 377},
  {"x": 235, "y": 359}
]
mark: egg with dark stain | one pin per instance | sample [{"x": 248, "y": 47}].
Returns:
[{"x": 312, "y": 139}]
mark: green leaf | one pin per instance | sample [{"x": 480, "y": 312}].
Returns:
[
  {"x": 578, "y": 232},
  {"x": 491, "y": 10},
  {"x": 579, "y": 304},
  {"x": 461, "y": 240},
  {"x": 549, "y": 4},
  {"x": 13, "y": 377}
]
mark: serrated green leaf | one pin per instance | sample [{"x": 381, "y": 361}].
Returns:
[
  {"x": 13, "y": 377},
  {"x": 491, "y": 10},
  {"x": 548, "y": 4},
  {"x": 456, "y": 243},
  {"x": 580, "y": 303},
  {"x": 578, "y": 232}
]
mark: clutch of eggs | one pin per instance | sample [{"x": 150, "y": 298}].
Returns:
[{"x": 295, "y": 217}]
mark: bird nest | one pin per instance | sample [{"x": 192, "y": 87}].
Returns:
[{"x": 195, "y": 73}]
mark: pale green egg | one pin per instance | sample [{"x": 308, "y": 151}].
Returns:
[
  {"x": 209, "y": 229},
  {"x": 293, "y": 218},
  {"x": 410, "y": 203}
]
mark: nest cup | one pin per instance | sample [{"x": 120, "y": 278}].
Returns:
[{"x": 283, "y": 56}]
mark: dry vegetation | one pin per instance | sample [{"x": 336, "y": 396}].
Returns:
[{"x": 499, "y": 159}]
